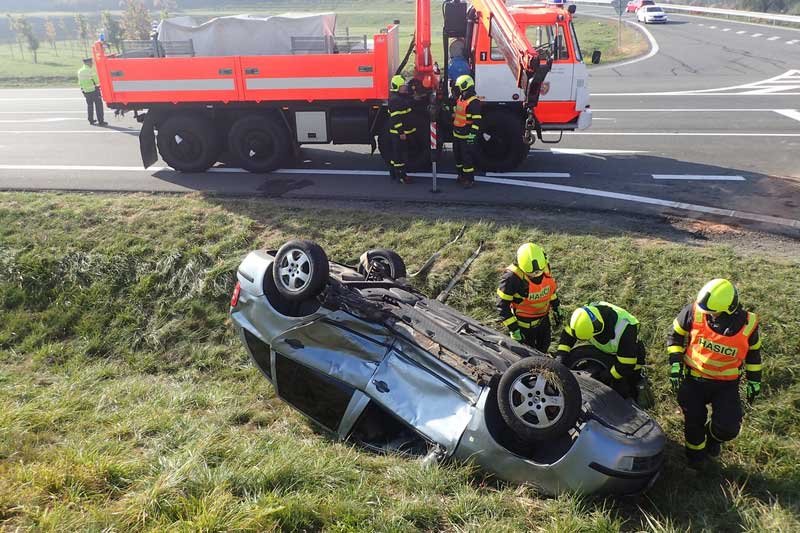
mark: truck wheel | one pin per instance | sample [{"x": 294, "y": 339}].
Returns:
[
  {"x": 188, "y": 143},
  {"x": 300, "y": 270},
  {"x": 419, "y": 151},
  {"x": 258, "y": 143},
  {"x": 501, "y": 147},
  {"x": 539, "y": 398}
]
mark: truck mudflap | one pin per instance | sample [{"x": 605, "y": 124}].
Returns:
[{"x": 147, "y": 143}]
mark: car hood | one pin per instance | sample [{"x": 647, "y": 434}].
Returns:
[{"x": 601, "y": 403}]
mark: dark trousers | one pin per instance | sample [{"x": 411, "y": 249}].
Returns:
[
  {"x": 726, "y": 412},
  {"x": 399, "y": 157},
  {"x": 537, "y": 336},
  {"x": 464, "y": 152},
  {"x": 627, "y": 386},
  {"x": 94, "y": 101}
]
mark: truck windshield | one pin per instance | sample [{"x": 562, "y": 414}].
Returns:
[{"x": 541, "y": 36}]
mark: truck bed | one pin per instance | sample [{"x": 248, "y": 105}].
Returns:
[{"x": 139, "y": 82}]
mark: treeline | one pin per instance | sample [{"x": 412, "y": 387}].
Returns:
[{"x": 135, "y": 23}]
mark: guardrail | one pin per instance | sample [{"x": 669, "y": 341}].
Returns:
[{"x": 773, "y": 17}]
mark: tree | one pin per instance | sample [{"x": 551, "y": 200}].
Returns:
[
  {"x": 112, "y": 29},
  {"x": 82, "y": 30},
  {"x": 26, "y": 32},
  {"x": 50, "y": 33},
  {"x": 166, "y": 7},
  {"x": 136, "y": 20},
  {"x": 766, "y": 6},
  {"x": 16, "y": 27}
]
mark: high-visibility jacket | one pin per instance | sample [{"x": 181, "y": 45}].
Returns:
[
  {"x": 399, "y": 110},
  {"x": 87, "y": 79},
  {"x": 624, "y": 319},
  {"x": 466, "y": 117},
  {"x": 711, "y": 355},
  {"x": 537, "y": 303}
]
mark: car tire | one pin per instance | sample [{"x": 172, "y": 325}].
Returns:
[
  {"x": 596, "y": 368},
  {"x": 300, "y": 270},
  {"x": 506, "y": 148},
  {"x": 259, "y": 143},
  {"x": 539, "y": 398},
  {"x": 188, "y": 143},
  {"x": 394, "y": 264}
]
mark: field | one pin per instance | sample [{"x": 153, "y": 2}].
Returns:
[
  {"x": 126, "y": 403},
  {"x": 58, "y": 67}
]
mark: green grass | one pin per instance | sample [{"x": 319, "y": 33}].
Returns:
[
  {"x": 126, "y": 403},
  {"x": 59, "y": 67}
]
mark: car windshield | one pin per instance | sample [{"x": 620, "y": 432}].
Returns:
[{"x": 654, "y": 10}]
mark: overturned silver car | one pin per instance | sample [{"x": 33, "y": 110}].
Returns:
[{"x": 370, "y": 359}]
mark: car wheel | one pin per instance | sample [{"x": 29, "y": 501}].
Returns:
[
  {"x": 300, "y": 270},
  {"x": 539, "y": 398},
  {"x": 392, "y": 264},
  {"x": 188, "y": 143},
  {"x": 594, "y": 367},
  {"x": 259, "y": 143}
]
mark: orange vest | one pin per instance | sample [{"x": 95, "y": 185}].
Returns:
[
  {"x": 460, "y": 116},
  {"x": 537, "y": 303},
  {"x": 711, "y": 355}
]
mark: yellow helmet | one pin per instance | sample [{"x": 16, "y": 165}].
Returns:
[
  {"x": 397, "y": 82},
  {"x": 464, "y": 82},
  {"x": 718, "y": 296},
  {"x": 531, "y": 259},
  {"x": 586, "y": 322}
]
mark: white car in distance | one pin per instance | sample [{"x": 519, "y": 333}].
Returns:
[{"x": 651, "y": 15}]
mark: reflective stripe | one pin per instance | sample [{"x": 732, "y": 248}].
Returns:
[
  {"x": 703, "y": 358},
  {"x": 720, "y": 373},
  {"x": 569, "y": 331},
  {"x": 614, "y": 373},
  {"x": 674, "y": 349},
  {"x": 225, "y": 84},
  {"x": 339, "y": 82},
  {"x": 752, "y": 322},
  {"x": 757, "y": 345},
  {"x": 564, "y": 348},
  {"x": 460, "y": 136},
  {"x": 400, "y": 112},
  {"x": 678, "y": 329},
  {"x": 504, "y": 296},
  {"x": 700, "y": 446},
  {"x": 525, "y": 325},
  {"x": 627, "y": 360},
  {"x": 753, "y": 368},
  {"x": 510, "y": 320}
]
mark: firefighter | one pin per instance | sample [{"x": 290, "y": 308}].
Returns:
[
  {"x": 399, "y": 127},
  {"x": 90, "y": 87},
  {"x": 466, "y": 126},
  {"x": 711, "y": 340},
  {"x": 525, "y": 297},
  {"x": 609, "y": 334}
]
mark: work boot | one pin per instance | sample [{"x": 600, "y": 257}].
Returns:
[
  {"x": 392, "y": 174},
  {"x": 102, "y": 123},
  {"x": 92, "y": 122},
  {"x": 696, "y": 459},
  {"x": 405, "y": 179}
]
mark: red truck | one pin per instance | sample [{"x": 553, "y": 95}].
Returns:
[{"x": 255, "y": 111}]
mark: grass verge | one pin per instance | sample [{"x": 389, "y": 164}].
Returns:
[
  {"x": 601, "y": 34},
  {"x": 127, "y": 404}
]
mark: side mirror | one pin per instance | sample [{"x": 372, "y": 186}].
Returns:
[{"x": 596, "y": 57}]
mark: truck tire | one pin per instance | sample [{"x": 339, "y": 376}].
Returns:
[
  {"x": 259, "y": 143},
  {"x": 419, "y": 151},
  {"x": 501, "y": 146},
  {"x": 188, "y": 143}
]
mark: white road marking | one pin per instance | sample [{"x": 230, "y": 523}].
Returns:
[
  {"x": 39, "y": 120},
  {"x": 774, "y": 90},
  {"x": 757, "y": 35},
  {"x": 686, "y": 110},
  {"x": 741, "y": 32},
  {"x": 742, "y": 215},
  {"x": 62, "y": 132},
  {"x": 712, "y": 27},
  {"x": 529, "y": 174},
  {"x": 792, "y": 41},
  {"x": 582, "y": 151},
  {"x": 696, "y": 177},
  {"x": 700, "y": 24},
  {"x": 790, "y": 113},
  {"x": 39, "y": 99},
  {"x": 726, "y": 29},
  {"x": 791, "y": 75},
  {"x": 682, "y": 134},
  {"x": 775, "y": 38},
  {"x": 43, "y": 112}
]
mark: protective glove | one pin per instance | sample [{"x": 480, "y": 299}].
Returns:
[
  {"x": 558, "y": 316},
  {"x": 471, "y": 139},
  {"x": 753, "y": 390},
  {"x": 675, "y": 376},
  {"x": 515, "y": 334}
]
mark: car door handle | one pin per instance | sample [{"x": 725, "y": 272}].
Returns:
[{"x": 381, "y": 386}]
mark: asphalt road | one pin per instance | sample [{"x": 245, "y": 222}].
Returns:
[{"x": 708, "y": 125}]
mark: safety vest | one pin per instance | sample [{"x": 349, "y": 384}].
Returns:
[
  {"x": 537, "y": 303},
  {"x": 87, "y": 79},
  {"x": 624, "y": 319},
  {"x": 712, "y": 355},
  {"x": 460, "y": 119}
]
